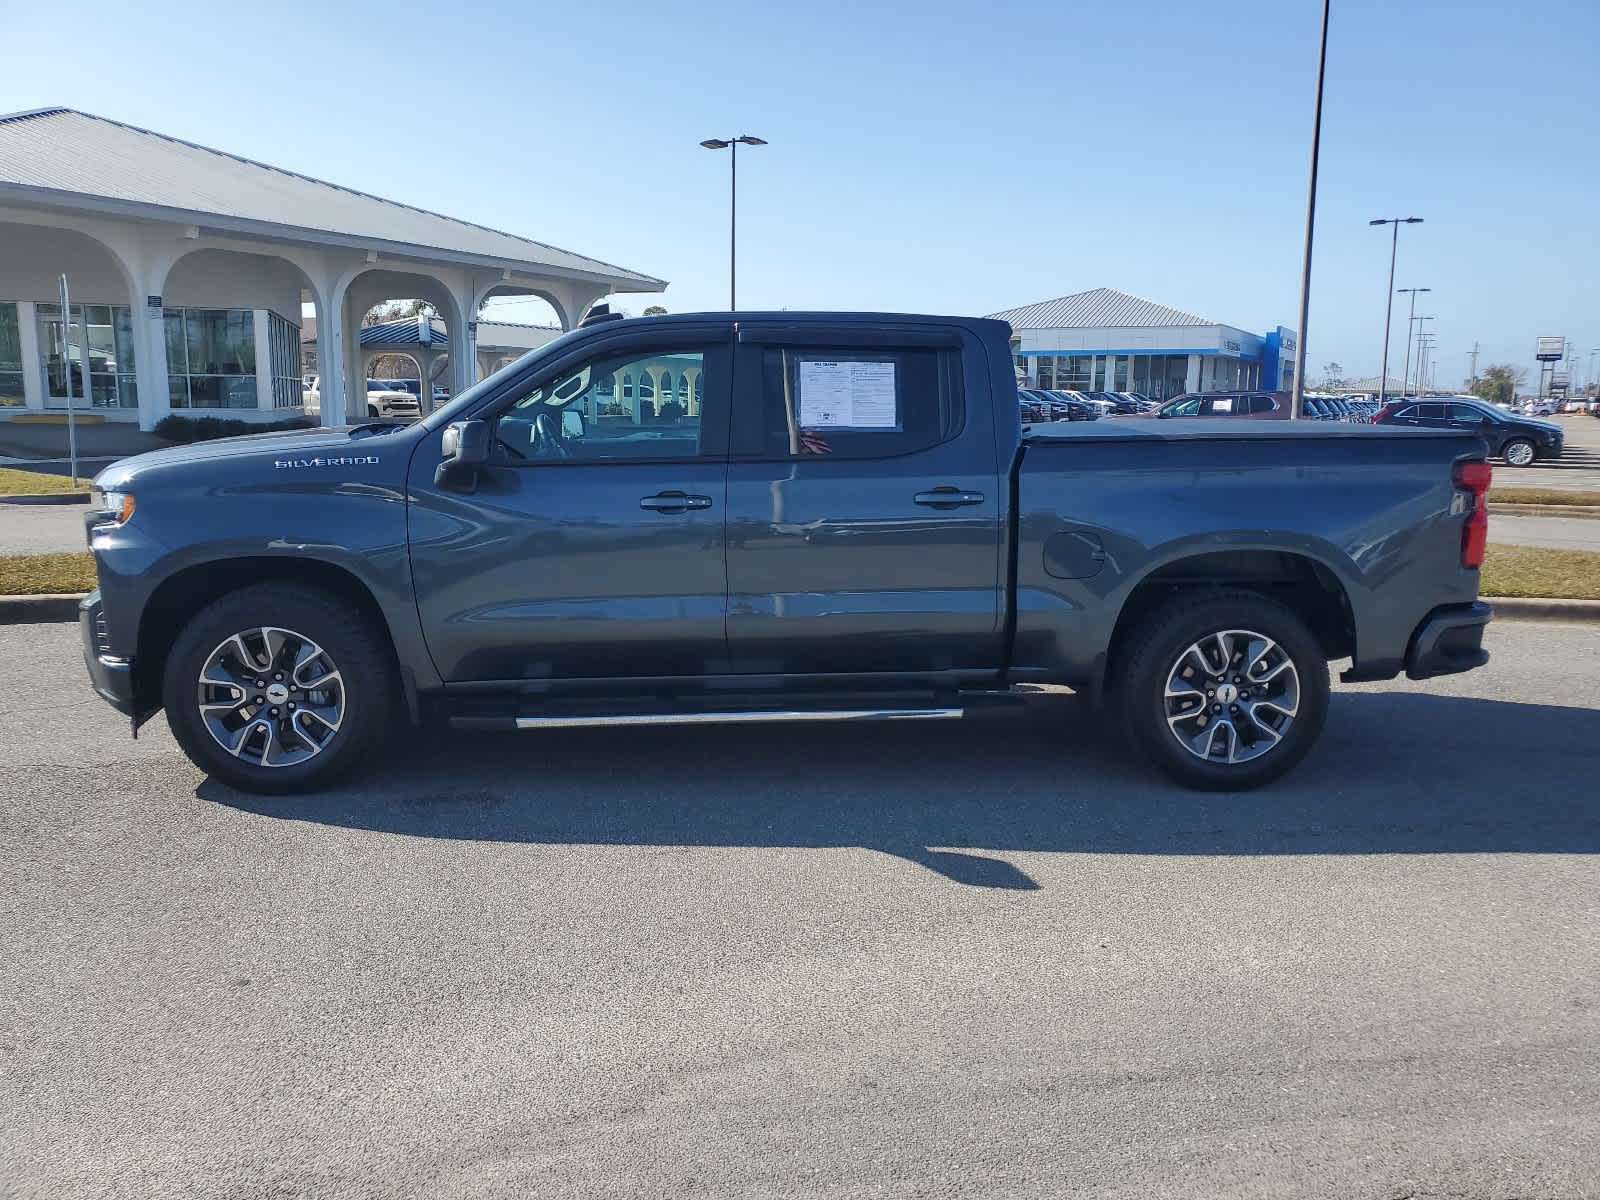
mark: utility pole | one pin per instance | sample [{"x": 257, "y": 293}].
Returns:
[
  {"x": 1410, "y": 321},
  {"x": 1473, "y": 378}
]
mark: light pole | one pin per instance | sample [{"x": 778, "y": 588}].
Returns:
[
  {"x": 732, "y": 146},
  {"x": 1426, "y": 344},
  {"x": 1409, "y": 320},
  {"x": 1388, "y": 302},
  {"x": 1298, "y": 396}
]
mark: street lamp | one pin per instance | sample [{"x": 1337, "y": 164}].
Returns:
[
  {"x": 1409, "y": 321},
  {"x": 732, "y": 146},
  {"x": 1388, "y": 303},
  {"x": 1297, "y": 398}
]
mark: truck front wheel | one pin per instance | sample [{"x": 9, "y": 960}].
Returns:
[
  {"x": 278, "y": 688},
  {"x": 1224, "y": 690}
]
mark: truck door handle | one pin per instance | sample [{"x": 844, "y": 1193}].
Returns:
[
  {"x": 674, "y": 502},
  {"x": 948, "y": 497}
]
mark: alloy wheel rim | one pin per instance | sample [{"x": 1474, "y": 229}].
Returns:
[
  {"x": 1519, "y": 455},
  {"x": 271, "y": 697},
  {"x": 1232, "y": 696}
]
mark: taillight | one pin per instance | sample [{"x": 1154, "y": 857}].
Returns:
[
  {"x": 1473, "y": 478},
  {"x": 1386, "y": 411}
]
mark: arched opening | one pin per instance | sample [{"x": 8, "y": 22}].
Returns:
[
  {"x": 93, "y": 349},
  {"x": 399, "y": 314},
  {"x": 231, "y": 326},
  {"x": 513, "y": 305}
]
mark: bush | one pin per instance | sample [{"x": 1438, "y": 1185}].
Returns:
[{"x": 203, "y": 429}]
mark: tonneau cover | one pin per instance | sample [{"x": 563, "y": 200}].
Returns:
[{"x": 1183, "y": 429}]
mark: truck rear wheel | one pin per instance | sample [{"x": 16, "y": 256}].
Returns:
[
  {"x": 1223, "y": 690},
  {"x": 279, "y": 688}
]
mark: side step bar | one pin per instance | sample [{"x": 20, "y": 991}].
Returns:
[{"x": 745, "y": 716}]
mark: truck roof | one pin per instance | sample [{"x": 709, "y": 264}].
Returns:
[{"x": 982, "y": 326}]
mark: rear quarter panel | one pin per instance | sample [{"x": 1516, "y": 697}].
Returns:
[{"x": 1378, "y": 511}]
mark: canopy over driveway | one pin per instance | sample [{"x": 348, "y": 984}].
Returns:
[{"x": 188, "y": 268}]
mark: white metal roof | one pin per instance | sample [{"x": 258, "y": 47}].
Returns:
[
  {"x": 64, "y": 153},
  {"x": 1102, "y": 307}
]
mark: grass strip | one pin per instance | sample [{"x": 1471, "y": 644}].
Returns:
[
  {"x": 1542, "y": 496},
  {"x": 42, "y": 574},
  {"x": 1537, "y": 571},
  {"x": 14, "y": 482}
]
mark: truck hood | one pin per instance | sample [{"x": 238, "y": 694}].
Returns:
[{"x": 296, "y": 446}]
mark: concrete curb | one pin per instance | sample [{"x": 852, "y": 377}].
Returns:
[
  {"x": 1589, "y": 511},
  {"x": 47, "y": 498},
  {"x": 1538, "y": 608},
  {"x": 57, "y": 606}
]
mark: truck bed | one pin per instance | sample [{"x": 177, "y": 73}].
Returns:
[{"x": 1367, "y": 512}]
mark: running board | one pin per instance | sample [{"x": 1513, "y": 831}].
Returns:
[{"x": 746, "y": 716}]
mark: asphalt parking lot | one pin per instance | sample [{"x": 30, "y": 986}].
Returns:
[{"x": 998, "y": 959}]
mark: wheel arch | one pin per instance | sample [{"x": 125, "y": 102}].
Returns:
[
  {"x": 185, "y": 592},
  {"x": 1303, "y": 583}
]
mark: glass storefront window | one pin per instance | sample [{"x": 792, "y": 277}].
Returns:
[
  {"x": 11, "y": 395},
  {"x": 211, "y": 357},
  {"x": 1072, "y": 372},
  {"x": 99, "y": 337},
  {"x": 288, "y": 388}
]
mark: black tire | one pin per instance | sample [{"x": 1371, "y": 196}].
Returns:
[
  {"x": 359, "y": 652},
  {"x": 1154, "y": 650},
  {"x": 1515, "y": 447}
]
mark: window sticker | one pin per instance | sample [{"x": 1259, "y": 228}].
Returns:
[{"x": 847, "y": 395}]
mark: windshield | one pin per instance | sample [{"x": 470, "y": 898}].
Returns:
[{"x": 441, "y": 417}]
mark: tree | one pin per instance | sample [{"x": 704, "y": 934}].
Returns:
[
  {"x": 398, "y": 310},
  {"x": 1498, "y": 383},
  {"x": 1332, "y": 377},
  {"x": 655, "y": 310}
]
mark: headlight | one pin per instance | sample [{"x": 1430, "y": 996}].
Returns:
[{"x": 117, "y": 505}]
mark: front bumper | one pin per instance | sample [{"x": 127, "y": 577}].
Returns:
[
  {"x": 1449, "y": 641},
  {"x": 110, "y": 676}
]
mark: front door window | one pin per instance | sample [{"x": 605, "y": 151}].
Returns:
[{"x": 637, "y": 405}]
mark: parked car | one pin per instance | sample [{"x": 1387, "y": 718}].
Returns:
[
  {"x": 1520, "y": 441},
  {"x": 1034, "y": 405},
  {"x": 850, "y": 526},
  {"x": 1272, "y": 406},
  {"x": 382, "y": 400},
  {"x": 1071, "y": 406}
]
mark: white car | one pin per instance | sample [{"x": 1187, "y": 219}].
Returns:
[{"x": 381, "y": 401}]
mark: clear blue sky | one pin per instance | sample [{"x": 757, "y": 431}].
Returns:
[{"x": 927, "y": 156}]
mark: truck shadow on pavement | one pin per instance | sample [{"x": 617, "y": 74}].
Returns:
[{"x": 1395, "y": 772}]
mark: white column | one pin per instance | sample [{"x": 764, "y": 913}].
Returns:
[
  {"x": 150, "y": 356},
  {"x": 330, "y": 357},
  {"x": 32, "y": 363},
  {"x": 1191, "y": 382},
  {"x": 263, "y": 335},
  {"x": 423, "y": 357}
]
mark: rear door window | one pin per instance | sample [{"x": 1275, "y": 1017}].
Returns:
[{"x": 854, "y": 402}]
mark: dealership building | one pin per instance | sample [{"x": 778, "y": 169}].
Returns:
[
  {"x": 189, "y": 270},
  {"x": 1108, "y": 341}
]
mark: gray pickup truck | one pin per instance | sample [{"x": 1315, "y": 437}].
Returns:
[{"x": 775, "y": 516}]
